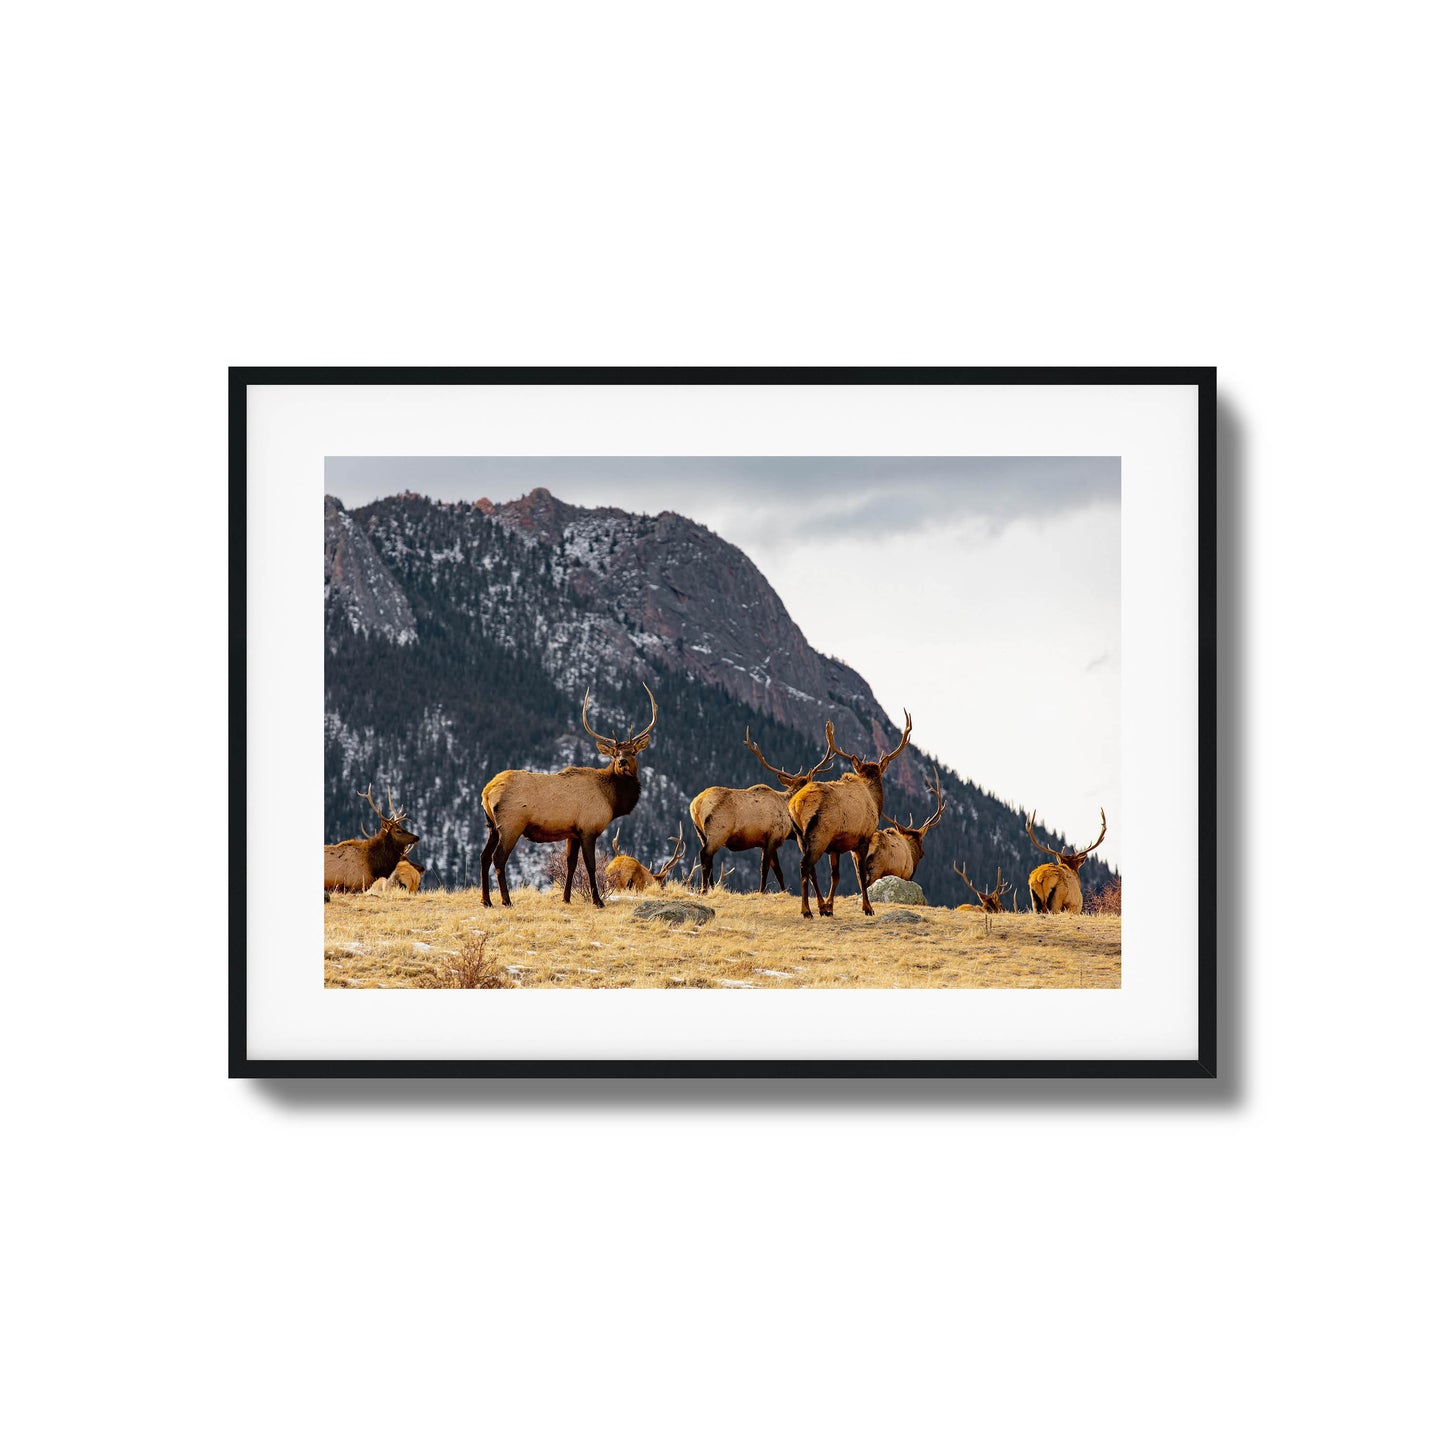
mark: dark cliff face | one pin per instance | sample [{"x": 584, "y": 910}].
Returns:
[{"x": 461, "y": 637}]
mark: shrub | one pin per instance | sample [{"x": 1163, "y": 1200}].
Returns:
[
  {"x": 1108, "y": 899},
  {"x": 471, "y": 969}
]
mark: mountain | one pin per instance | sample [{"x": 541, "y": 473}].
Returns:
[{"x": 460, "y": 638}]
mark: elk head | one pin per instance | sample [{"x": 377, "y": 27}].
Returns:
[
  {"x": 391, "y": 826},
  {"x": 622, "y": 751},
  {"x": 914, "y": 836},
  {"x": 991, "y": 902},
  {"x": 790, "y": 781},
  {"x": 1071, "y": 861},
  {"x": 871, "y": 772}
]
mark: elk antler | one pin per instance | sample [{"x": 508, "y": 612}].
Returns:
[
  {"x": 753, "y": 748},
  {"x": 903, "y": 742},
  {"x": 667, "y": 867},
  {"x": 937, "y": 812},
  {"x": 1029, "y": 825},
  {"x": 790, "y": 779},
  {"x": 963, "y": 873},
  {"x": 1097, "y": 840},
  {"x": 372, "y": 801},
  {"x": 835, "y": 750},
  {"x": 999, "y": 886},
  {"x": 586, "y": 698},
  {"x": 652, "y": 724}
]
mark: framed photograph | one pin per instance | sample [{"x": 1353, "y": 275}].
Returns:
[{"x": 716, "y": 722}]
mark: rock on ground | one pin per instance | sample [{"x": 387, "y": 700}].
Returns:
[
  {"x": 896, "y": 890},
  {"x": 675, "y": 912},
  {"x": 902, "y": 915}
]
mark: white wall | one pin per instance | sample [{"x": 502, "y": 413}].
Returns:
[{"x": 201, "y": 1259}]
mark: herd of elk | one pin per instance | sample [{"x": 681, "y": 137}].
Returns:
[
  {"x": 575, "y": 806},
  {"x": 827, "y": 817},
  {"x": 741, "y": 819},
  {"x": 353, "y": 866},
  {"x": 625, "y": 874},
  {"x": 1055, "y": 887},
  {"x": 840, "y": 816}
]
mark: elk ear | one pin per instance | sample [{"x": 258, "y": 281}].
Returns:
[
  {"x": 608, "y": 750},
  {"x": 641, "y": 745}
]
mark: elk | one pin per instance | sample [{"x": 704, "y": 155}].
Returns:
[
  {"x": 408, "y": 875},
  {"x": 987, "y": 902},
  {"x": 353, "y": 866},
  {"x": 627, "y": 875},
  {"x": 895, "y": 850},
  {"x": 1055, "y": 887},
  {"x": 575, "y": 806},
  {"x": 840, "y": 816},
  {"x": 741, "y": 819}
]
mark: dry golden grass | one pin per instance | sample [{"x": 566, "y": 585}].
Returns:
[{"x": 403, "y": 940}]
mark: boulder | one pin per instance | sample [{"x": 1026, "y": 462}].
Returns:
[
  {"x": 896, "y": 890},
  {"x": 902, "y": 915},
  {"x": 675, "y": 913}
]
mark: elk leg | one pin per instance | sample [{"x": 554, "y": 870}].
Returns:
[
  {"x": 860, "y": 862},
  {"x": 488, "y": 853},
  {"x": 589, "y": 857},
  {"x": 826, "y": 908},
  {"x": 1041, "y": 904},
  {"x": 778, "y": 869},
  {"x": 571, "y": 869},
  {"x": 809, "y": 876},
  {"x": 705, "y": 858},
  {"x": 763, "y": 873},
  {"x": 503, "y": 853}
]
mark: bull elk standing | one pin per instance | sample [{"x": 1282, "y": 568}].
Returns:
[
  {"x": 895, "y": 850},
  {"x": 627, "y": 875},
  {"x": 353, "y": 866},
  {"x": 840, "y": 816},
  {"x": 987, "y": 902},
  {"x": 575, "y": 806},
  {"x": 741, "y": 819},
  {"x": 1055, "y": 887}
]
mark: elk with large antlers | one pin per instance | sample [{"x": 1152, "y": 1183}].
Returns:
[
  {"x": 575, "y": 806},
  {"x": 353, "y": 866},
  {"x": 987, "y": 902},
  {"x": 625, "y": 874},
  {"x": 741, "y": 819},
  {"x": 895, "y": 850},
  {"x": 1055, "y": 887},
  {"x": 841, "y": 816}
]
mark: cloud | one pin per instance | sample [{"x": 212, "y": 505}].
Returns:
[{"x": 861, "y": 496}]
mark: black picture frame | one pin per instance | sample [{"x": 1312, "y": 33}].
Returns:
[{"x": 1203, "y": 1066}]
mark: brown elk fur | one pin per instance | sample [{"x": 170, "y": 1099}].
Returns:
[
  {"x": 1055, "y": 887},
  {"x": 626, "y": 875},
  {"x": 895, "y": 850},
  {"x": 840, "y": 817},
  {"x": 987, "y": 902},
  {"x": 575, "y": 806},
  {"x": 741, "y": 819},
  {"x": 408, "y": 875},
  {"x": 353, "y": 866}
]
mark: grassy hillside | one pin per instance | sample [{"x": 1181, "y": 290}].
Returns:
[{"x": 428, "y": 939}]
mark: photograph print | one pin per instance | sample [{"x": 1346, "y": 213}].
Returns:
[{"x": 722, "y": 723}]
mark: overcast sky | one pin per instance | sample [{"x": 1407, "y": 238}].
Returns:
[{"x": 982, "y": 593}]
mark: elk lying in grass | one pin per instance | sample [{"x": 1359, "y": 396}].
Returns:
[
  {"x": 895, "y": 850},
  {"x": 625, "y": 874},
  {"x": 987, "y": 902},
  {"x": 353, "y": 866},
  {"x": 840, "y": 816},
  {"x": 741, "y": 819},
  {"x": 575, "y": 806},
  {"x": 408, "y": 875},
  {"x": 1055, "y": 887}
]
